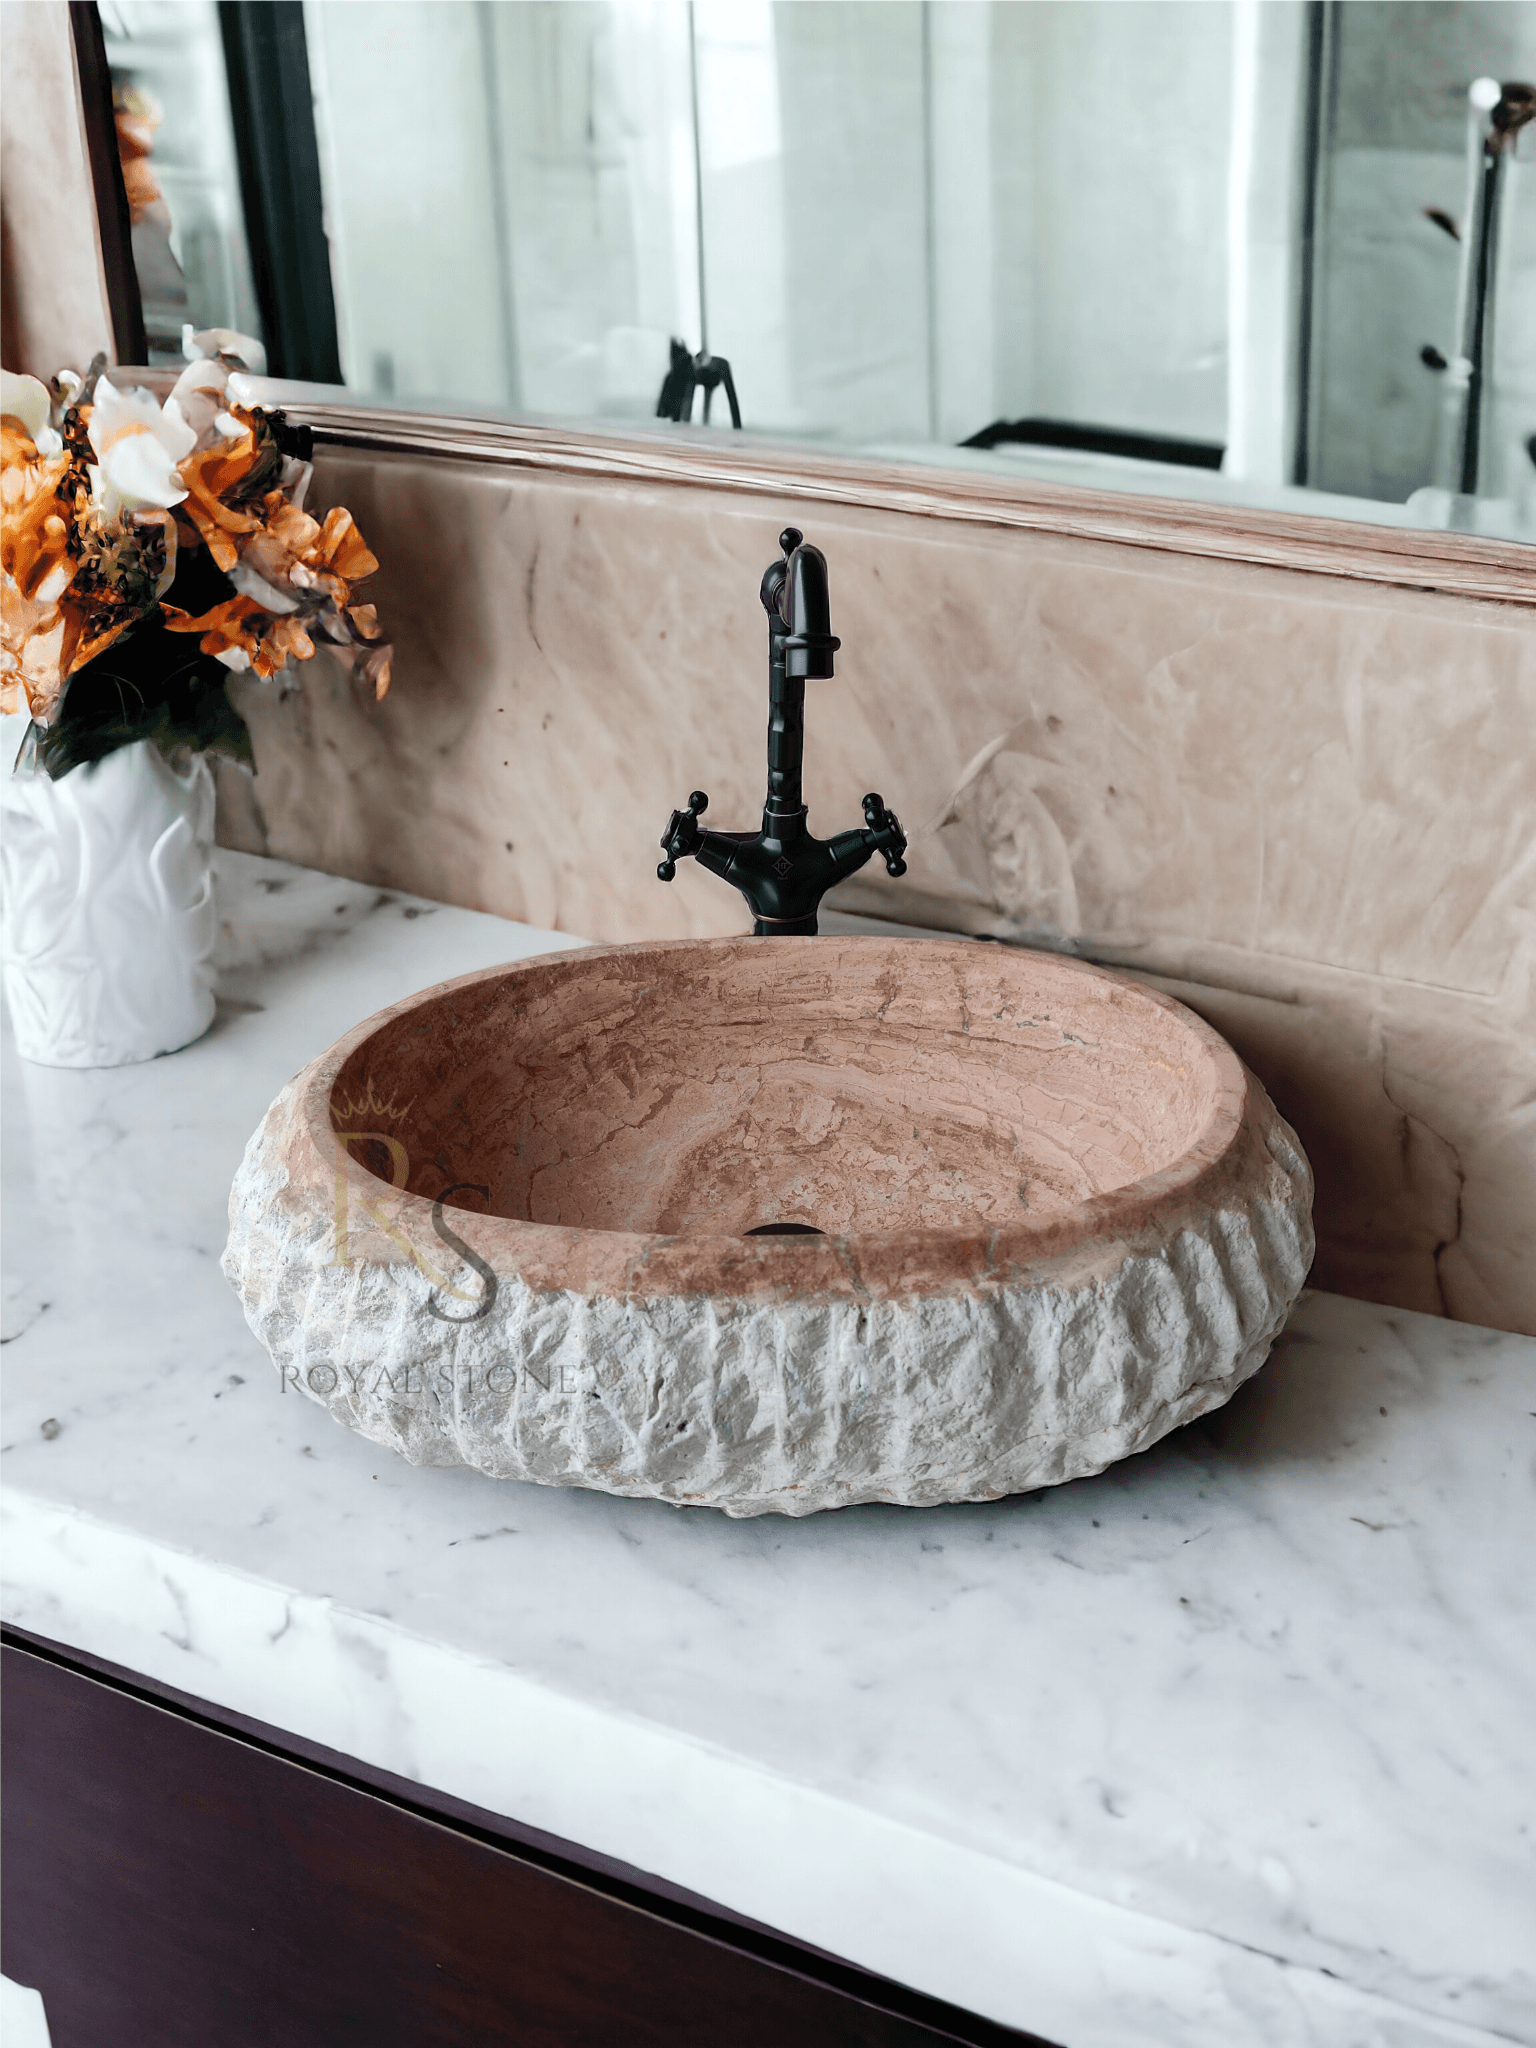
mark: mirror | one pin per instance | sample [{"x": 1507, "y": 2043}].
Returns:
[{"x": 1275, "y": 252}]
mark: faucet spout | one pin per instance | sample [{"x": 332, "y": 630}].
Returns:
[
  {"x": 800, "y": 643},
  {"x": 802, "y": 604},
  {"x": 783, "y": 871}
]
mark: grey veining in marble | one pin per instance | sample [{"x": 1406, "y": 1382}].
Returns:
[{"x": 1227, "y": 1746}]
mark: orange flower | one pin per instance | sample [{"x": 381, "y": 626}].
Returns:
[
  {"x": 39, "y": 631},
  {"x": 283, "y": 637},
  {"x": 111, "y": 628},
  {"x": 343, "y": 549},
  {"x": 139, "y": 181},
  {"x": 136, "y": 117},
  {"x": 209, "y": 476},
  {"x": 35, "y": 530},
  {"x": 282, "y": 544},
  {"x": 240, "y": 626},
  {"x": 293, "y": 574},
  {"x": 294, "y": 552},
  {"x": 223, "y": 628}
]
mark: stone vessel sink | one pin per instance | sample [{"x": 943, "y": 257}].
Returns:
[{"x": 516, "y": 1222}]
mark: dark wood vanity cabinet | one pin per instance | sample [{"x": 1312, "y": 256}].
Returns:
[{"x": 171, "y": 1881}]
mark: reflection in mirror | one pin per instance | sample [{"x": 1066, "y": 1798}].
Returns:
[
  {"x": 1248, "y": 250},
  {"x": 179, "y": 169}
]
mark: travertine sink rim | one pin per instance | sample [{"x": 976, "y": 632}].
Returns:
[
  {"x": 773, "y": 1374},
  {"x": 384, "y": 1222}
]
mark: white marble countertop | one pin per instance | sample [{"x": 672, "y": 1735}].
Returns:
[{"x": 1230, "y": 1745}]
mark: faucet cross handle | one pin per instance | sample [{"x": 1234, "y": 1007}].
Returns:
[
  {"x": 885, "y": 833},
  {"x": 682, "y": 835}
]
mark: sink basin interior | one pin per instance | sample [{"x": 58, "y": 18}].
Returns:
[{"x": 847, "y": 1085}]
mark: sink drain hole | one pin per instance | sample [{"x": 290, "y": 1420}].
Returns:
[{"x": 786, "y": 1230}]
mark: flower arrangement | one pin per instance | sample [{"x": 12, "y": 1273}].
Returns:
[{"x": 148, "y": 551}]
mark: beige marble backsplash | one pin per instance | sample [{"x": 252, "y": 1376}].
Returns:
[{"x": 1304, "y": 805}]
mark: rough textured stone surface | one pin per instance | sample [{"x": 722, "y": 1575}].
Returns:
[{"x": 506, "y": 1224}]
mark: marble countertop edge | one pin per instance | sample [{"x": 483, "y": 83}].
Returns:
[{"x": 953, "y": 1920}]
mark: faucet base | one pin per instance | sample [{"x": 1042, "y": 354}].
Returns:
[{"x": 785, "y": 927}]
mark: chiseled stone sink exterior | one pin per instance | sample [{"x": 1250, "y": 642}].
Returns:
[{"x": 505, "y": 1224}]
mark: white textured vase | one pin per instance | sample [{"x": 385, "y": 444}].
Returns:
[{"x": 109, "y": 914}]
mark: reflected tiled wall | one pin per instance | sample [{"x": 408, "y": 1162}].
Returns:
[{"x": 1306, "y": 806}]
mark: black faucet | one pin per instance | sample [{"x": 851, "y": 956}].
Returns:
[
  {"x": 783, "y": 871},
  {"x": 688, "y": 374}
]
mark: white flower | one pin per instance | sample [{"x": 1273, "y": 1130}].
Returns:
[
  {"x": 198, "y": 401},
  {"x": 224, "y": 341},
  {"x": 25, "y": 399},
  {"x": 137, "y": 448}
]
